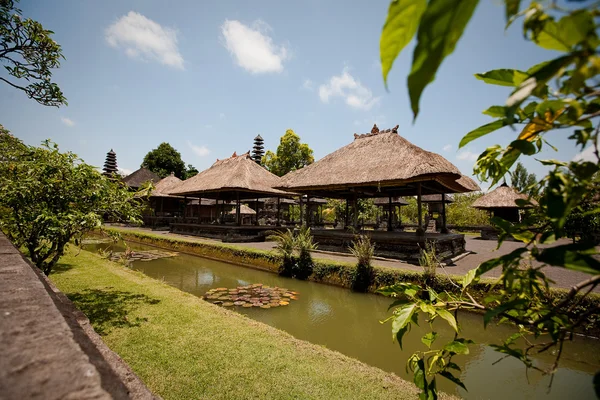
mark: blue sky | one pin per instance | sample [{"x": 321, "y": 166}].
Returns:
[{"x": 208, "y": 76}]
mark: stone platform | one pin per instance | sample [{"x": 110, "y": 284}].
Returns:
[
  {"x": 227, "y": 233},
  {"x": 404, "y": 246}
]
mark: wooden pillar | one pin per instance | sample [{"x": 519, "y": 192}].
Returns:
[
  {"x": 278, "y": 223},
  {"x": 390, "y": 227},
  {"x": 400, "y": 215},
  {"x": 301, "y": 219},
  {"x": 238, "y": 220},
  {"x": 444, "y": 228},
  {"x": 185, "y": 207},
  {"x": 308, "y": 211},
  {"x": 256, "y": 215},
  {"x": 199, "y": 208},
  {"x": 420, "y": 230},
  {"x": 346, "y": 214},
  {"x": 354, "y": 213}
]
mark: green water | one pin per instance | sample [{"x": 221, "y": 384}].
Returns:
[{"x": 349, "y": 323}]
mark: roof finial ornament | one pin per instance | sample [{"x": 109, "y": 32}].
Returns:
[
  {"x": 375, "y": 129},
  {"x": 395, "y": 129},
  {"x": 234, "y": 154}
]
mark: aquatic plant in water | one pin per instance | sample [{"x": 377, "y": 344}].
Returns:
[{"x": 257, "y": 295}]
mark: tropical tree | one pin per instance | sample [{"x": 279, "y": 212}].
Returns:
[
  {"x": 29, "y": 55},
  {"x": 291, "y": 155},
  {"x": 190, "y": 171},
  {"x": 461, "y": 213},
  {"x": 522, "y": 180},
  {"x": 49, "y": 198},
  {"x": 165, "y": 159},
  {"x": 560, "y": 96}
]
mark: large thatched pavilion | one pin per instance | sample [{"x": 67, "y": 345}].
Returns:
[
  {"x": 383, "y": 164},
  {"x": 237, "y": 178}
]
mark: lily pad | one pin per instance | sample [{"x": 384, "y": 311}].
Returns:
[
  {"x": 239, "y": 303},
  {"x": 266, "y": 306},
  {"x": 247, "y": 305},
  {"x": 228, "y": 304}
]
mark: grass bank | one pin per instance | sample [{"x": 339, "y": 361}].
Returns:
[
  {"x": 185, "y": 348},
  {"x": 340, "y": 273}
]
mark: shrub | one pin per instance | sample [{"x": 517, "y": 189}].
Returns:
[
  {"x": 285, "y": 246},
  {"x": 304, "y": 244},
  {"x": 429, "y": 261},
  {"x": 362, "y": 249}
]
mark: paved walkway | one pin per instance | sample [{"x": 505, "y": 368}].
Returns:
[{"x": 480, "y": 251}]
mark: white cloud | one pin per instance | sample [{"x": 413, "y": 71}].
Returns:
[
  {"x": 222, "y": 115},
  {"x": 200, "y": 151},
  {"x": 252, "y": 48},
  {"x": 142, "y": 38},
  {"x": 467, "y": 154},
  {"x": 447, "y": 148},
  {"x": 67, "y": 121},
  {"x": 124, "y": 171},
  {"x": 350, "y": 89},
  {"x": 308, "y": 85},
  {"x": 586, "y": 155}
]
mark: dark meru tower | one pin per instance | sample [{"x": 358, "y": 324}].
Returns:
[
  {"x": 258, "y": 151},
  {"x": 110, "y": 165}
]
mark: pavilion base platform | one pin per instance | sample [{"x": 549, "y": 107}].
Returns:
[
  {"x": 226, "y": 233},
  {"x": 405, "y": 246}
]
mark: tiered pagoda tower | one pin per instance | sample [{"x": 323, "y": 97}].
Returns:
[
  {"x": 259, "y": 150},
  {"x": 110, "y": 165}
]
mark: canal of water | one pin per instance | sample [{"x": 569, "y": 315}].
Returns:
[{"x": 349, "y": 323}]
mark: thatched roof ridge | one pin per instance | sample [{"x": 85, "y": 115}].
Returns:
[
  {"x": 501, "y": 197},
  {"x": 380, "y": 159},
  {"x": 244, "y": 210},
  {"x": 233, "y": 174},
  {"x": 384, "y": 201},
  {"x": 137, "y": 178}
]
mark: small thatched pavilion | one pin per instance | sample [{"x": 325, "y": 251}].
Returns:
[
  {"x": 388, "y": 205},
  {"x": 378, "y": 164},
  {"x": 233, "y": 179},
  {"x": 501, "y": 202},
  {"x": 382, "y": 164},
  {"x": 163, "y": 203},
  {"x": 138, "y": 178}
]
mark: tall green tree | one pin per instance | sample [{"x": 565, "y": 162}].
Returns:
[
  {"x": 291, "y": 155},
  {"x": 559, "y": 96},
  {"x": 29, "y": 54},
  {"x": 165, "y": 159},
  {"x": 522, "y": 180},
  {"x": 49, "y": 198},
  {"x": 190, "y": 171}
]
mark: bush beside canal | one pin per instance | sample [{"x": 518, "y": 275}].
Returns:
[
  {"x": 185, "y": 348},
  {"x": 342, "y": 274}
]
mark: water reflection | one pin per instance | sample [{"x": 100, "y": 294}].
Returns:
[{"x": 349, "y": 323}]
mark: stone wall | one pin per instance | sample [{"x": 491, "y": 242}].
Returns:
[{"x": 48, "y": 349}]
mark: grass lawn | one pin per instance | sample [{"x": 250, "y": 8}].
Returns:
[{"x": 185, "y": 348}]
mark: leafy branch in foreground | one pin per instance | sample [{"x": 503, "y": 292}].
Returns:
[
  {"x": 561, "y": 96},
  {"x": 29, "y": 54},
  {"x": 49, "y": 198}
]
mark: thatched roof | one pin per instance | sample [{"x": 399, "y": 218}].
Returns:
[
  {"x": 205, "y": 202},
  {"x": 501, "y": 197},
  {"x": 377, "y": 164},
  {"x": 244, "y": 210},
  {"x": 235, "y": 176},
  {"x": 138, "y": 178},
  {"x": 162, "y": 187},
  {"x": 385, "y": 201},
  {"x": 436, "y": 198}
]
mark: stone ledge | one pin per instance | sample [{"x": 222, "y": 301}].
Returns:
[{"x": 49, "y": 349}]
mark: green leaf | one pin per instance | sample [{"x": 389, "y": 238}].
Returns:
[
  {"x": 569, "y": 31},
  {"x": 468, "y": 278},
  {"x": 503, "y": 77},
  {"x": 445, "y": 314},
  {"x": 512, "y": 9},
  {"x": 419, "y": 375},
  {"x": 429, "y": 338},
  {"x": 577, "y": 257},
  {"x": 442, "y": 25},
  {"x": 457, "y": 347},
  {"x": 402, "y": 317},
  {"x": 496, "y": 111},
  {"x": 482, "y": 131},
  {"x": 491, "y": 314},
  {"x": 448, "y": 375},
  {"x": 400, "y": 27},
  {"x": 504, "y": 260}
]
